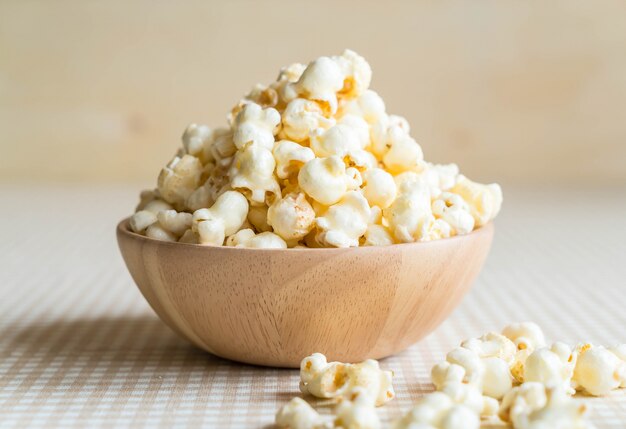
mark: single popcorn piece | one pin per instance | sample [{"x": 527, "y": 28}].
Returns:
[
  {"x": 550, "y": 366},
  {"x": 298, "y": 414},
  {"x": 224, "y": 218},
  {"x": 264, "y": 240},
  {"x": 526, "y": 335},
  {"x": 455, "y": 212},
  {"x": 379, "y": 188},
  {"x": 295, "y": 148},
  {"x": 255, "y": 125},
  {"x": 290, "y": 157},
  {"x": 291, "y": 217},
  {"x": 324, "y": 379},
  {"x": 598, "y": 371},
  {"x": 356, "y": 411},
  {"x": 533, "y": 406},
  {"x": 253, "y": 172},
  {"x": 179, "y": 179},
  {"x": 410, "y": 214},
  {"x": 438, "y": 411},
  {"x": 484, "y": 200},
  {"x": 301, "y": 116},
  {"x": 326, "y": 180},
  {"x": 345, "y": 222},
  {"x": 357, "y": 73}
]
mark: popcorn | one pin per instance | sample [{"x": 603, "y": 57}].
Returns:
[
  {"x": 358, "y": 412},
  {"x": 533, "y": 406},
  {"x": 344, "y": 222},
  {"x": 291, "y": 217},
  {"x": 550, "y": 366},
  {"x": 264, "y": 240},
  {"x": 317, "y": 133},
  {"x": 357, "y": 73},
  {"x": 255, "y": 125},
  {"x": 455, "y": 212},
  {"x": 598, "y": 370},
  {"x": 298, "y": 414},
  {"x": 379, "y": 188},
  {"x": 484, "y": 200},
  {"x": 253, "y": 172},
  {"x": 301, "y": 116},
  {"x": 224, "y": 218},
  {"x": 335, "y": 379},
  {"x": 410, "y": 214},
  {"x": 525, "y": 335},
  {"x": 326, "y": 180},
  {"x": 438, "y": 411},
  {"x": 320, "y": 81},
  {"x": 179, "y": 179}
]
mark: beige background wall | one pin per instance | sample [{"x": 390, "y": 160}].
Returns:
[{"x": 513, "y": 91}]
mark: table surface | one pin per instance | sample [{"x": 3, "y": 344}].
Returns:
[{"x": 79, "y": 347}]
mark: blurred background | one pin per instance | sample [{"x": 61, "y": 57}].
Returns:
[{"x": 516, "y": 92}]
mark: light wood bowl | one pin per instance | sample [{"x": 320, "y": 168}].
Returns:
[{"x": 275, "y": 306}]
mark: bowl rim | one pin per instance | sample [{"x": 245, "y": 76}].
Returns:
[{"x": 123, "y": 228}]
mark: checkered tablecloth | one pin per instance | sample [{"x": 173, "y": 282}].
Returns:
[{"x": 79, "y": 347}]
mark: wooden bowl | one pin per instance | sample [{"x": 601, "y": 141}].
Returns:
[{"x": 275, "y": 306}]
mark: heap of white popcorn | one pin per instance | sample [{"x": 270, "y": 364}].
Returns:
[
  {"x": 311, "y": 160},
  {"x": 513, "y": 377}
]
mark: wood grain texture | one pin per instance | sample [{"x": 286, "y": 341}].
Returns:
[{"x": 273, "y": 307}]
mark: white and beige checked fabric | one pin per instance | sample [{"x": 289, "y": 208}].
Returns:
[{"x": 80, "y": 348}]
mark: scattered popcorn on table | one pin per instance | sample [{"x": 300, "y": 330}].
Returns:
[
  {"x": 598, "y": 370},
  {"x": 298, "y": 414},
  {"x": 319, "y": 138},
  {"x": 438, "y": 411},
  {"x": 324, "y": 379}
]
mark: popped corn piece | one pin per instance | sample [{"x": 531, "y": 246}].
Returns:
[
  {"x": 224, "y": 218},
  {"x": 525, "y": 335},
  {"x": 142, "y": 220},
  {"x": 326, "y": 180},
  {"x": 368, "y": 106},
  {"x": 320, "y": 81},
  {"x": 324, "y": 379},
  {"x": 454, "y": 211},
  {"x": 197, "y": 140},
  {"x": 157, "y": 232},
  {"x": 550, "y": 366},
  {"x": 155, "y": 206},
  {"x": 255, "y": 125},
  {"x": 290, "y": 157},
  {"x": 340, "y": 140},
  {"x": 356, "y": 411},
  {"x": 598, "y": 370},
  {"x": 492, "y": 344},
  {"x": 438, "y": 411},
  {"x": 264, "y": 240},
  {"x": 436, "y": 229},
  {"x": 223, "y": 145},
  {"x": 384, "y": 130},
  {"x": 360, "y": 127},
  {"x": 410, "y": 214},
  {"x": 356, "y": 71},
  {"x": 179, "y": 179},
  {"x": 440, "y": 178},
  {"x": 470, "y": 396},
  {"x": 378, "y": 235},
  {"x": 145, "y": 197},
  {"x": 257, "y": 216},
  {"x": 253, "y": 172},
  {"x": 301, "y": 116},
  {"x": 291, "y": 217},
  {"x": 298, "y": 414},
  {"x": 344, "y": 222},
  {"x": 379, "y": 188},
  {"x": 484, "y": 201},
  {"x": 174, "y": 222},
  {"x": 534, "y": 406},
  {"x": 404, "y": 154}
]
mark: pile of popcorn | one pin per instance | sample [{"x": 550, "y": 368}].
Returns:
[
  {"x": 311, "y": 160},
  {"x": 513, "y": 378}
]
